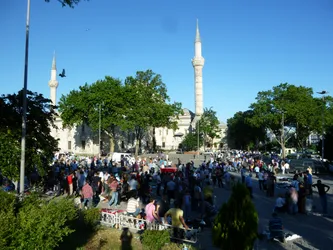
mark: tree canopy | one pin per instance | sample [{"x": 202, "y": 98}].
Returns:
[
  {"x": 190, "y": 142},
  {"x": 242, "y": 134},
  {"x": 292, "y": 107},
  {"x": 147, "y": 105},
  {"x": 83, "y": 106},
  {"x": 209, "y": 125},
  {"x": 138, "y": 104},
  {"x": 40, "y": 145}
]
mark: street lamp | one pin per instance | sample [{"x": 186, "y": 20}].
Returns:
[
  {"x": 100, "y": 127},
  {"x": 99, "y": 130},
  {"x": 282, "y": 136},
  {"x": 322, "y": 124},
  {"x": 24, "y": 108}
]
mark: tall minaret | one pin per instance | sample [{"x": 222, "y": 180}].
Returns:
[
  {"x": 198, "y": 62},
  {"x": 53, "y": 83}
]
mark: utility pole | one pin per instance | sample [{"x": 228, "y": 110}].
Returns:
[
  {"x": 99, "y": 130},
  {"x": 323, "y": 124},
  {"x": 24, "y": 108},
  {"x": 282, "y": 136},
  {"x": 322, "y": 131}
]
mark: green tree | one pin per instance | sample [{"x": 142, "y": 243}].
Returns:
[
  {"x": 237, "y": 219},
  {"x": 83, "y": 106},
  {"x": 286, "y": 106},
  {"x": 10, "y": 154},
  {"x": 147, "y": 105},
  {"x": 190, "y": 142},
  {"x": 241, "y": 133},
  {"x": 40, "y": 145},
  {"x": 209, "y": 125}
]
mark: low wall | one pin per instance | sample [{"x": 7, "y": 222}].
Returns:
[{"x": 191, "y": 153}]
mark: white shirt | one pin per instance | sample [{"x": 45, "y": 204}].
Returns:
[
  {"x": 101, "y": 175},
  {"x": 286, "y": 165}
]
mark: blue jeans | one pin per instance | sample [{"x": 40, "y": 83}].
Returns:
[
  {"x": 137, "y": 211},
  {"x": 323, "y": 200},
  {"x": 87, "y": 202},
  {"x": 293, "y": 208},
  {"x": 114, "y": 199},
  {"x": 187, "y": 211}
]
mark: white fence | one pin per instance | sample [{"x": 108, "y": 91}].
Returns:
[{"x": 118, "y": 219}]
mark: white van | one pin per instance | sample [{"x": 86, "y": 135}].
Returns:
[{"x": 116, "y": 157}]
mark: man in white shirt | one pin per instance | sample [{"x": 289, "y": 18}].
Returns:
[
  {"x": 133, "y": 207},
  {"x": 286, "y": 167}
]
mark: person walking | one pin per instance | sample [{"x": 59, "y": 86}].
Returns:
[
  {"x": 87, "y": 194},
  {"x": 114, "y": 198},
  {"x": 322, "y": 191},
  {"x": 261, "y": 180}
]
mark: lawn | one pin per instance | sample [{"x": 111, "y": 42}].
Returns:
[
  {"x": 105, "y": 238},
  {"x": 109, "y": 239}
]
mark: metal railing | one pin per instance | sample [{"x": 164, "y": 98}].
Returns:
[{"x": 121, "y": 220}]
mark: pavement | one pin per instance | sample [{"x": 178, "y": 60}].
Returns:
[{"x": 316, "y": 231}]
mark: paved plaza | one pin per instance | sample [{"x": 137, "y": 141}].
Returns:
[{"x": 316, "y": 231}]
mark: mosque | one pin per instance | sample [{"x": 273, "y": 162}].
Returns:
[{"x": 81, "y": 140}]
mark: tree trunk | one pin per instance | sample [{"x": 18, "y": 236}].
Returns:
[
  {"x": 111, "y": 141},
  {"x": 154, "y": 139},
  {"x": 111, "y": 144},
  {"x": 136, "y": 148}
]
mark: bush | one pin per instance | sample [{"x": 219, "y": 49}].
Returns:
[
  {"x": 236, "y": 225},
  {"x": 91, "y": 217},
  {"x": 34, "y": 223},
  {"x": 153, "y": 239}
]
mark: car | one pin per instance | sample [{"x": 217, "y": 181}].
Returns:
[
  {"x": 301, "y": 165},
  {"x": 116, "y": 157},
  {"x": 180, "y": 151}
]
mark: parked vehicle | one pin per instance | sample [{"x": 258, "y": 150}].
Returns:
[
  {"x": 303, "y": 164},
  {"x": 116, "y": 157}
]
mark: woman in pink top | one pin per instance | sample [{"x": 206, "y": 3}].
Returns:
[{"x": 151, "y": 214}]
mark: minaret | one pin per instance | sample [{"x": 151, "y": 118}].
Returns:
[
  {"x": 53, "y": 83},
  {"x": 198, "y": 62}
]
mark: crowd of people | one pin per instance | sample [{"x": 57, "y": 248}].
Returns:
[{"x": 148, "y": 191}]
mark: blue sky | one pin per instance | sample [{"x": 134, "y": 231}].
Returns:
[{"x": 248, "y": 46}]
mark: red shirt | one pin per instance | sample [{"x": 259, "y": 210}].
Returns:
[
  {"x": 87, "y": 191},
  {"x": 70, "y": 179}
]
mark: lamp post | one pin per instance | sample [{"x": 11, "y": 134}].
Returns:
[
  {"x": 282, "y": 136},
  {"x": 322, "y": 124},
  {"x": 24, "y": 108},
  {"x": 99, "y": 130}
]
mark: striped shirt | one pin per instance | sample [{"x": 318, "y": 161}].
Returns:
[{"x": 132, "y": 205}]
